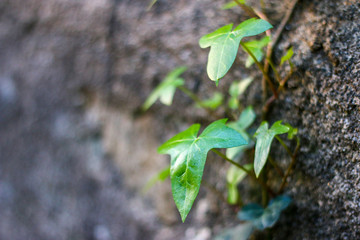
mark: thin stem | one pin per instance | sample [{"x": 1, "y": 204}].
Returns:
[
  {"x": 284, "y": 145},
  {"x": 282, "y": 83},
  {"x": 197, "y": 100},
  {"x": 280, "y": 88},
  {"x": 293, "y": 161},
  {"x": 275, "y": 39},
  {"x": 261, "y": 69},
  {"x": 276, "y": 166},
  {"x": 277, "y": 75},
  {"x": 264, "y": 186},
  {"x": 246, "y": 9},
  {"x": 191, "y": 95},
  {"x": 231, "y": 161}
]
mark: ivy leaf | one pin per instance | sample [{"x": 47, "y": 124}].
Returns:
[
  {"x": 263, "y": 218},
  {"x": 166, "y": 90},
  {"x": 233, "y": 177},
  {"x": 292, "y": 131},
  {"x": 188, "y": 155},
  {"x": 251, "y": 212},
  {"x": 214, "y": 102},
  {"x": 240, "y": 232},
  {"x": 232, "y": 4},
  {"x": 151, "y": 4},
  {"x": 287, "y": 56},
  {"x": 224, "y": 43},
  {"x": 246, "y": 118},
  {"x": 161, "y": 176},
  {"x": 264, "y": 137},
  {"x": 237, "y": 88},
  {"x": 255, "y": 48}
]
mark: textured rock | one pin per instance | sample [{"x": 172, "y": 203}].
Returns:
[{"x": 75, "y": 150}]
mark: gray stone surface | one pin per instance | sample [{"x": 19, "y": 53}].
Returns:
[{"x": 75, "y": 151}]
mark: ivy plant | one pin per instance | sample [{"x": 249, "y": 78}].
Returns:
[
  {"x": 188, "y": 155},
  {"x": 224, "y": 44},
  {"x": 166, "y": 90},
  {"x": 188, "y": 149},
  {"x": 264, "y": 137},
  {"x": 262, "y": 218}
]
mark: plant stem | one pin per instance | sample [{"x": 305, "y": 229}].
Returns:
[
  {"x": 293, "y": 160},
  {"x": 284, "y": 145},
  {"x": 191, "y": 95},
  {"x": 276, "y": 37},
  {"x": 266, "y": 75},
  {"x": 264, "y": 186},
  {"x": 280, "y": 88},
  {"x": 195, "y": 98},
  {"x": 276, "y": 166},
  {"x": 246, "y": 9},
  {"x": 277, "y": 75}
]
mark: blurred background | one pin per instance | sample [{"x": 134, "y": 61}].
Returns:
[{"x": 75, "y": 149}]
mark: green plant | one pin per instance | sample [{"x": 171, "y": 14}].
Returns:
[{"x": 188, "y": 150}]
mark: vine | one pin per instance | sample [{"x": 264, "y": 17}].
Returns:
[{"x": 188, "y": 149}]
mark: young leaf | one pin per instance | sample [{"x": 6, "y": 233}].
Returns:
[
  {"x": 246, "y": 118},
  {"x": 188, "y": 155},
  {"x": 237, "y": 89},
  {"x": 232, "y": 4},
  {"x": 166, "y": 90},
  {"x": 161, "y": 176},
  {"x": 151, "y": 4},
  {"x": 214, "y": 102},
  {"x": 292, "y": 131},
  {"x": 255, "y": 48},
  {"x": 229, "y": 5},
  {"x": 251, "y": 212},
  {"x": 224, "y": 43},
  {"x": 287, "y": 56},
  {"x": 233, "y": 177},
  {"x": 263, "y": 218},
  {"x": 264, "y": 137},
  {"x": 240, "y": 232}
]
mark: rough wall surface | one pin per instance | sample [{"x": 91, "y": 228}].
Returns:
[{"x": 74, "y": 150}]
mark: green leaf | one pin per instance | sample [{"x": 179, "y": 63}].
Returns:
[
  {"x": 251, "y": 212},
  {"x": 232, "y": 4},
  {"x": 264, "y": 137},
  {"x": 188, "y": 155},
  {"x": 287, "y": 56},
  {"x": 151, "y": 4},
  {"x": 255, "y": 48},
  {"x": 263, "y": 218},
  {"x": 229, "y": 5},
  {"x": 246, "y": 118},
  {"x": 240, "y": 232},
  {"x": 166, "y": 90},
  {"x": 161, "y": 176},
  {"x": 292, "y": 131},
  {"x": 237, "y": 88},
  {"x": 214, "y": 102},
  {"x": 233, "y": 177},
  {"x": 224, "y": 43}
]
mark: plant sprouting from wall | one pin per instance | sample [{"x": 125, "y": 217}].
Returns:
[{"x": 188, "y": 149}]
